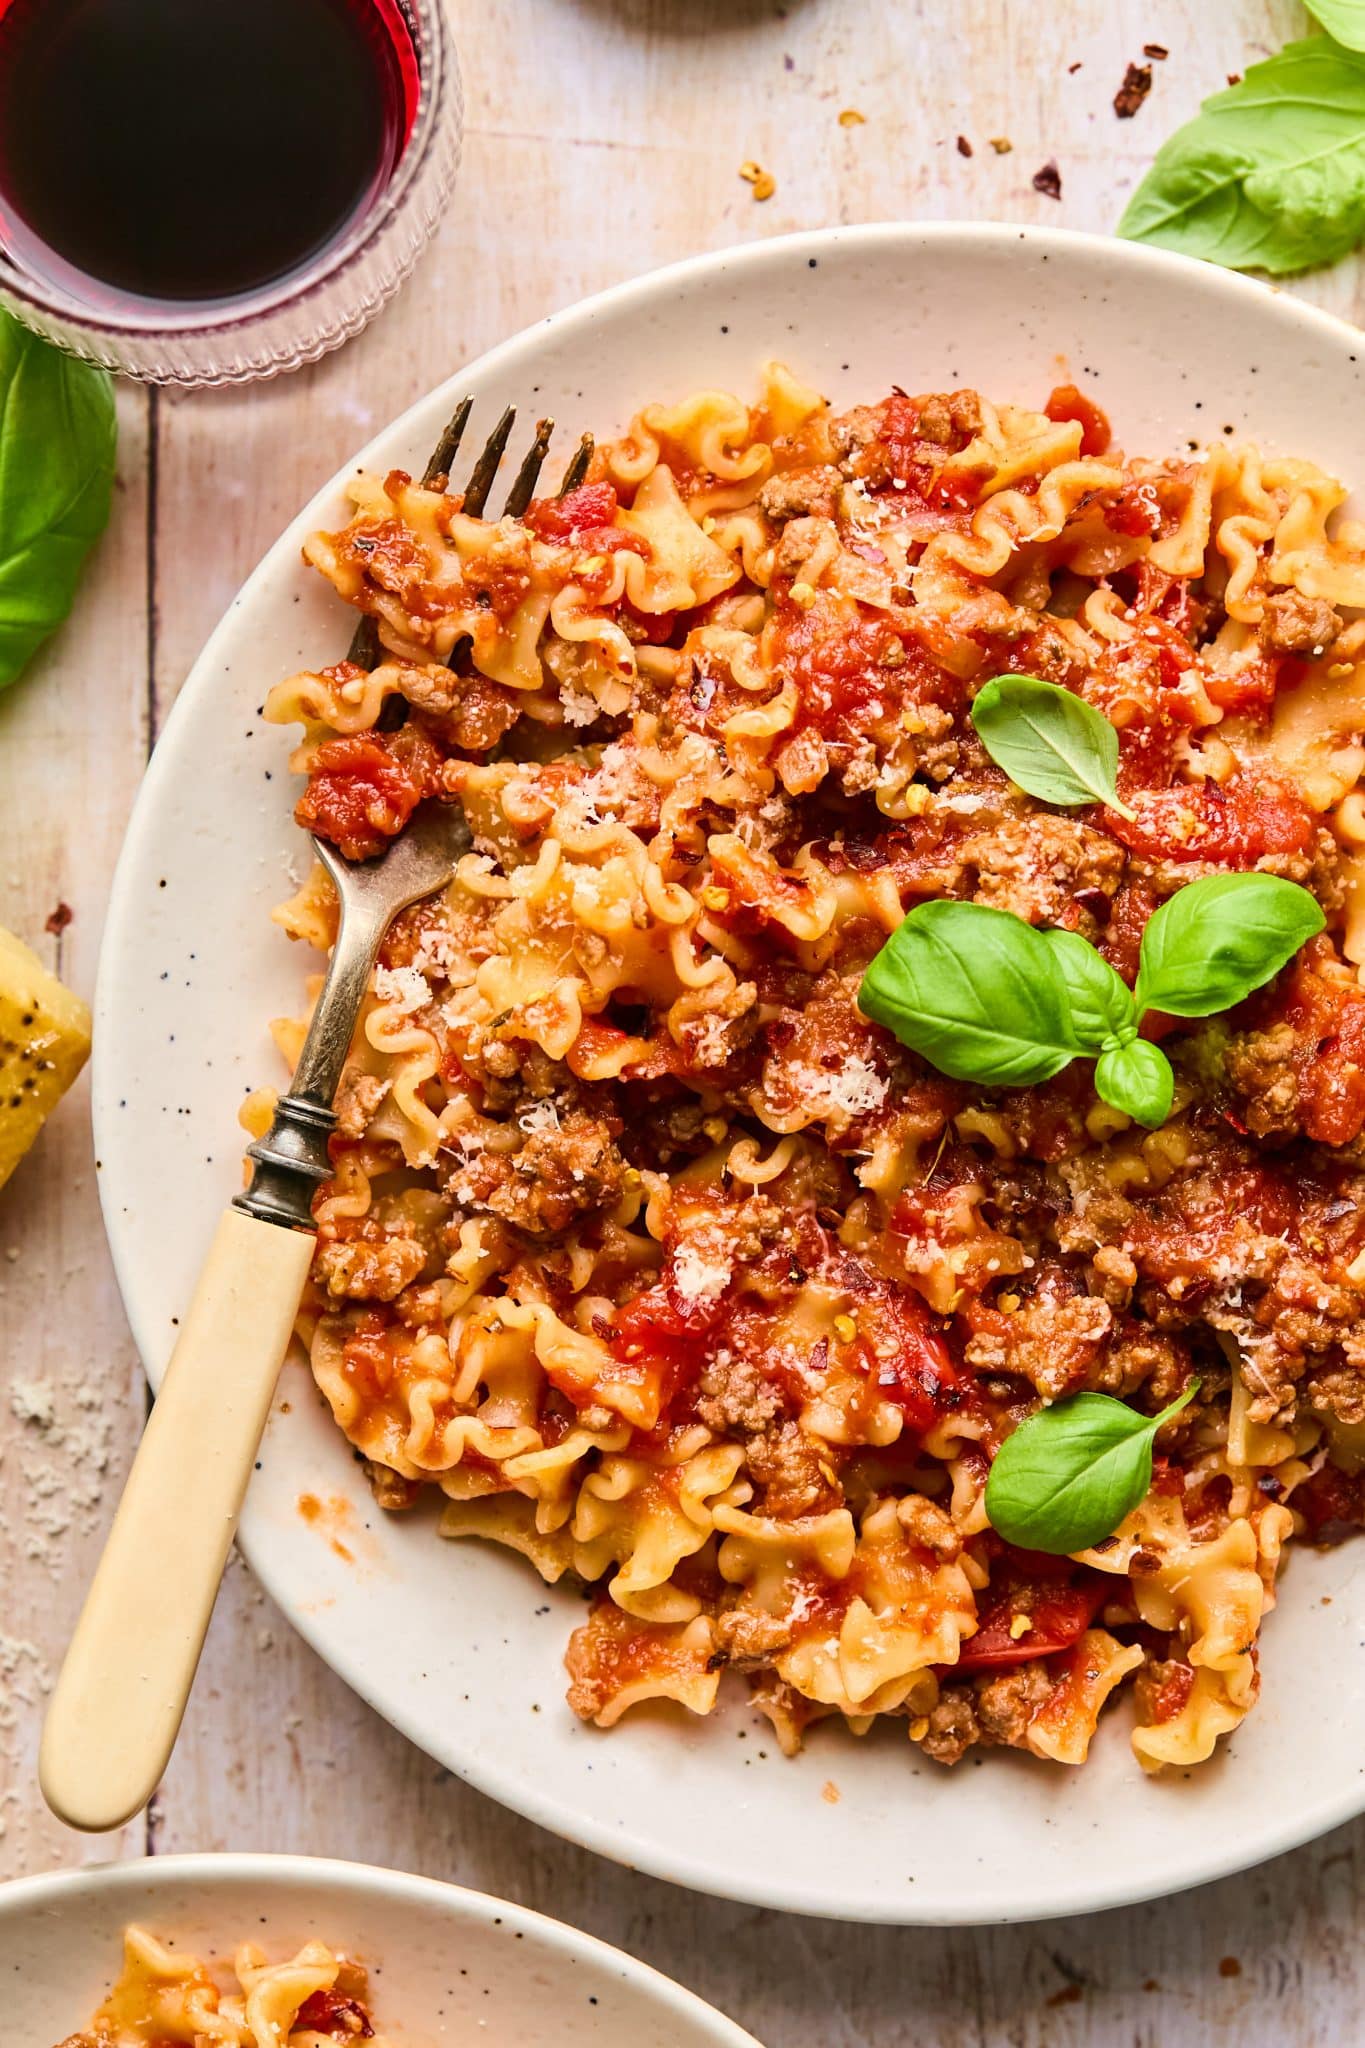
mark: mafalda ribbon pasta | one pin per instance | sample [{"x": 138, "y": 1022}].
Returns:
[{"x": 671, "y": 1268}]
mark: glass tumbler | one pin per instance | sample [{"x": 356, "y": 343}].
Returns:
[{"x": 298, "y": 317}]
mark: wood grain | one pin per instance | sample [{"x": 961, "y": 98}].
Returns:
[{"x": 604, "y": 138}]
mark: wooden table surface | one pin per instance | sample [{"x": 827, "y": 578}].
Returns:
[{"x": 604, "y": 138}]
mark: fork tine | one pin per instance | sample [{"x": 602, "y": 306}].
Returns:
[
  {"x": 443, "y": 454},
  {"x": 364, "y": 649},
  {"x": 578, "y": 466},
  {"x": 486, "y": 468},
  {"x": 519, "y": 497}
]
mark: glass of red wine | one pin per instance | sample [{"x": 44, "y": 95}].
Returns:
[{"x": 206, "y": 191}]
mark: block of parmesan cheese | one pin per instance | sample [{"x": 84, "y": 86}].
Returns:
[{"x": 44, "y": 1043}]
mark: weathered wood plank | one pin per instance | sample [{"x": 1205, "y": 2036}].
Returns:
[
  {"x": 605, "y": 137},
  {"x": 73, "y": 743}
]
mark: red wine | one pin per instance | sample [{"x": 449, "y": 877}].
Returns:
[{"x": 193, "y": 150}]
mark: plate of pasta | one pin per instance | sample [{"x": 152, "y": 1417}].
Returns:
[
  {"x": 845, "y": 1261},
  {"x": 248, "y": 1951}
]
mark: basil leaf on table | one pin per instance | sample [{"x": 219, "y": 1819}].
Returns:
[
  {"x": 1050, "y": 741},
  {"x": 976, "y": 991},
  {"x": 57, "y": 441},
  {"x": 1270, "y": 175},
  {"x": 1136, "y": 1077},
  {"x": 1100, "y": 1001},
  {"x": 1344, "y": 19},
  {"x": 1069, "y": 1474},
  {"x": 1217, "y": 939}
]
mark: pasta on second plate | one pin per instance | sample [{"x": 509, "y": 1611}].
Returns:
[
  {"x": 165, "y": 1998},
  {"x": 672, "y": 1270}
]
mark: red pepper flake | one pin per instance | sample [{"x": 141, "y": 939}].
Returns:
[
  {"x": 1234, "y": 78},
  {"x": 1070, "y": 1994},
  {"x": 1137, "y": 83},
  {"x": 1229, "y": 1967},
  {"x": 1072, "y": 69},
  {"x": 964, "y": 148},
  {"x": 1048, "y": 181},
  {"x": 60, "y": 919},
  {"x": 1157, "y": 50}
]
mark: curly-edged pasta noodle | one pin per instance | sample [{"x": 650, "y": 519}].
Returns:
[
  {"x": 165, "y": 1996},
  {"x": 663, "y": 1266}
]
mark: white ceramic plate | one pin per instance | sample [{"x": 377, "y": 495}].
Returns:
[
  {"x": 447, "y": 1966},
  {"x": 459, "y": 1645}
]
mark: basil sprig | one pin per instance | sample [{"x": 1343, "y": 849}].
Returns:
[
  {"x": 1049, "y": 741},
  {"x": 57, "y": 435},
  {"x": 1216, "y": 940},
  {"x": 975, "y": 991},
  {"x": 1068, "y": 1475},
  {"x": 1269, "y": 175},
  {"x": 985, "y": 997}
]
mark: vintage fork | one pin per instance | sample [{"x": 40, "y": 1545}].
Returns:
[{"x": 118, "y": 1703}]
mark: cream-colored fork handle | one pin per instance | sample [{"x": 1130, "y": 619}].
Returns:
[{"x": 117, "y": 1707}]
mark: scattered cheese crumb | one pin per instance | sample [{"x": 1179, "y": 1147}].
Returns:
[
  {"x": 1020, "y": 1626},
  {"x": 849, "y": 117},
  {"x": 33, "y": 1401},
  {"x": 763, "y": 183},
  {"x": 1001, "y": 144}
]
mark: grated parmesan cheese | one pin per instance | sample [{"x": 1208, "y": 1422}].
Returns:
[
  {"x": 855, "y": 1089},
  {"x": 578, "y": 706},
  {"x": 436, "y": 953},
  {"x": 697, "y": 1275},
  {"x": 406, "y": 988}
]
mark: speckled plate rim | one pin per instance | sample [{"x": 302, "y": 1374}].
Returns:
[
  {"x": 1198, "y": 1854},
  {"x": 207, "y": 1872}
]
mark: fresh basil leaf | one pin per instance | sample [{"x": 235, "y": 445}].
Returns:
[
  {"x": 1137, "y": 1079},
  {"x": 1344, "y": 19},
  {"x": 1049, "y": 741},
  {"x": 976, "y": 991},
  {"x": 1270, "y": 175},
  {"x": 57, "y": 439},
  {"x": 1217, "y": 939},
  {"x": 1100, "y": 1001},
  {"x": 1068, "y": 1475}
]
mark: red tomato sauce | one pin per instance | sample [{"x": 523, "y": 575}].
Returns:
[
  {"x": 1234, "y": 823},
  {"x": 585, "y": 518},
  {"x": 364, "y": 787},
  {"x": 1058, "y": 1599},
  {"x": 1068, "y": 402},
  {"x": 326, "y": 2012}
]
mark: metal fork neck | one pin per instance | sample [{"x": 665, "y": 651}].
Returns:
[{"x": 290, "y": 1161}]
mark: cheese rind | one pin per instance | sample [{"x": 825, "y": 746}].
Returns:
[{"x": 44, "y": 1043}]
